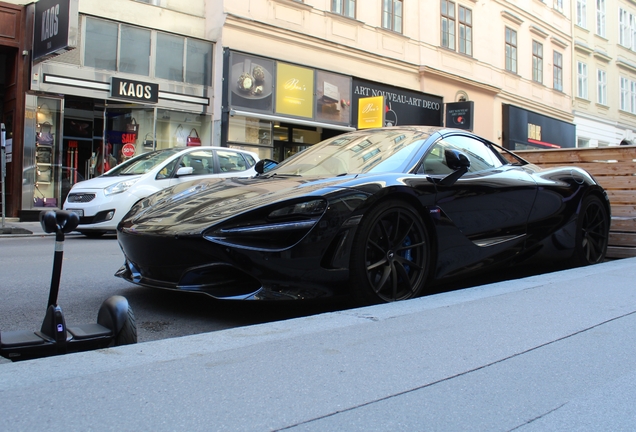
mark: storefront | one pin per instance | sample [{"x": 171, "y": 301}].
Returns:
[
  {"x": 277, "y": 109},
  {"x": 527, "y": 130},
  {"x": 121, "y": 92},
  {"x": 14, "y": 81}
]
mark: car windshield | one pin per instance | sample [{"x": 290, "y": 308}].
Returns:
[
  {"x": 142, "y": 163},
  {"x": 371, "y": 151}
]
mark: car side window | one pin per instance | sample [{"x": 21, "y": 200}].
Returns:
[
  {"x": 230, "y": 161},
  {"x": 167, "y": 170},
  {"x": 481, "y": 156},
  {"x": 201, "y": 161}
]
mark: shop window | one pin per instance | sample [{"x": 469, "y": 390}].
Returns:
[
  {"x": 135, "y": 50},
  {"x": 251, "y": 134},
  {"x": 100, "y": 47},
  {"x": 198, "y": 62},
  {"x": 169, "y": 63},
  {"x": 124, "y": 48}
]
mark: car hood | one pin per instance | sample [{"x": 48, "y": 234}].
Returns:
[
  {"x": 190, "y": 208},
  {"x": 102, "y": 182}
]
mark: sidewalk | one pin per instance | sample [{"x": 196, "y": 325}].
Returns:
[
  {"x": 13, "y": 227},
  {"x": 549, "y": 352}
]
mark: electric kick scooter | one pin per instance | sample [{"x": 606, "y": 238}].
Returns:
[{"x": 115, "y": 319}]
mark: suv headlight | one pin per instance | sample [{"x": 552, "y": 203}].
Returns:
[{"x": 120, "y": 187}]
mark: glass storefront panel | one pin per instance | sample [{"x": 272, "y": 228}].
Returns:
[
  {"x": 251, "y": 134},
  {"x": 50, "y": 179},
  {"x": 101, "y": 44},
  {"x": 182, "y": 129}
]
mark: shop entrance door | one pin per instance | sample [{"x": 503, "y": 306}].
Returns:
[{"x": 129, "y": 130}]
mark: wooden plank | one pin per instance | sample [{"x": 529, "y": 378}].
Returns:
[
  {"x": 622, "y": 239},
  {"x": 614, "y": 252},
  {"x": 572, "y": 156},
  {"x": 624, "y": 211},
  {"x": 622, "y": 225},
  {"x": 619, "y": 196}
]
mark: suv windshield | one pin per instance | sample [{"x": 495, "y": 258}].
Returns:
[
  {"x": 377, "y": 151},
  {"x": 142, "y": 163}
]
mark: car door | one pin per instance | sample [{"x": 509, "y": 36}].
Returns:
[
  {"x": 202, "y": 163},
  {"x": 231, "y": 163},
  {"x": 488, "y": 206}
]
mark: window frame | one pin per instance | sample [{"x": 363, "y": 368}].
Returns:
[
  {"x": 581, "y": 13},
  {"x": 390, "y": 19},
  {"x": 557, "y": 70},
  {"x": 601, "y": 8},
  {"x": 537, "y": 62},
  {"x": 581, "y": 80},
  {"x": 340, "y": 7},
  {"x": 601, "y": 86},
  {"x": 467, "y": 25},
  {"x": 447, "y": 24},
  {"x": 511, "y": 50}
]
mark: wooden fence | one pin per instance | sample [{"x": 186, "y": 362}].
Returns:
[{"x": 615, "y": 169}]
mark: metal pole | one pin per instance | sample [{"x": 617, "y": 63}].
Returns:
[{"x": 3, "y": 166}]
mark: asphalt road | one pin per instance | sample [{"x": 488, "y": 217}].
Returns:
[{"x": 88, "y": 279}]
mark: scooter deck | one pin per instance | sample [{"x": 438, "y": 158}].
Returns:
[{"x": 23, "y": 345}]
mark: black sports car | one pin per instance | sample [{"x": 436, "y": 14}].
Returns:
[{"x": 378, "y": 214}]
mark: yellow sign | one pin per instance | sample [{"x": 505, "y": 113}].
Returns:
[
  {"x": 371, "y": 112},
  {"x": 294, "y": 90}
]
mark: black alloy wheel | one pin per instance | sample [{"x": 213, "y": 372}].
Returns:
[
  {"x": 390, "y": 255},
  {"x": 592, "y": 232}
]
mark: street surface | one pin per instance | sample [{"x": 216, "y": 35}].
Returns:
[{"x": 88, "y": 279}]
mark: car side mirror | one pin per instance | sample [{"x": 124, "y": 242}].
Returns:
[
  {"x": 264, "y": 165},
  {"x": 183, "y": 171},
  {"x": 458, "y": 162}
]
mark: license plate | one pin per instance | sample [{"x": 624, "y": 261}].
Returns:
[{"x": 78, "y": 212}]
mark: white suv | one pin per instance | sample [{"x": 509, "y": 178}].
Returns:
[{"x": 102, "y": 202}]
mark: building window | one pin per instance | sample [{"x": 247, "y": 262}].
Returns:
[
  {"x": 465, "y": 31},
  {"x": 632, "y": 97},
  {"x": 100, "y": 44},
  {"x": 511, "y": 50},
  {"x": 601, "y": 81},
  {"x": 448, "y": 24},
  {"x": 118, "y": 47},
  {"x": 558, "y": 5},
  {"x": 392, "y": 15},
  {"x": 344, "y": 7},
  {"x": 581, "y": 81},
  {"x": 537, "y": 62},
  {"x": 581, "y": 13},
  {"x": 625, "y": 99},
  {"x": 600, "y": 17},
  {"x": 557, "y": 71}
]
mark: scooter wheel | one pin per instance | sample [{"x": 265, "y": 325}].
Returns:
[{"x": 128, "y": 333}]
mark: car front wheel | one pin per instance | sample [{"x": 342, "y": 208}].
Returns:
[{"x": 390, "y": 255}]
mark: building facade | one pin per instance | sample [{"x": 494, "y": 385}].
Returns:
[{"x": 276, "y": 76}]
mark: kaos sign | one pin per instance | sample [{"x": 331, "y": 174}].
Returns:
[
  {"x": 55, "y": 28},
  {"x": 134, "y": 90}
]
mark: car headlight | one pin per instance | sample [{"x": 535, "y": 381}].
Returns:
[
  {"x": 120, "y": 187},
  {"x": 270, "y": 229},
  {"x": 309, "y": 208}
]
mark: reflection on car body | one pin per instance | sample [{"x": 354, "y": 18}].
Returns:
[{"x": 380, "y": 215}]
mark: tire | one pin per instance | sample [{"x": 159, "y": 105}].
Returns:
[
  {"x": 128, "y": 333},
  {"x": 592, "y": 232},
  {"x": 390, "y": 255},
  {"x": 93, "y": 234}
]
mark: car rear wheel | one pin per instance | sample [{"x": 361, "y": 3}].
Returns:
[
  {"x": 592, "y": 232},
  {"x": 390, "y": 255}
]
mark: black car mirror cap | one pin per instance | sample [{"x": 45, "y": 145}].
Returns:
[
  {"x": 264, "y": 165},
  {"x": 456, "y": 160}
]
